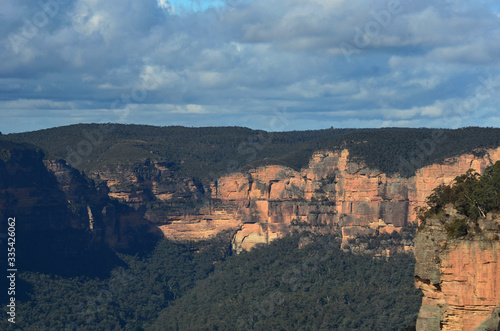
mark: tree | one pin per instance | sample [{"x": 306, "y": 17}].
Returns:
[{"x": 471, "y": 194}]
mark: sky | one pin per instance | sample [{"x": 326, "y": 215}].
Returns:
[{"x": 276, "y": 65}]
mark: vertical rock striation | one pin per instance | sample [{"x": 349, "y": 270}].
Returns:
[
  {"x": 333, "y": 193},
  {"x": 459, "y": 277},
  {"x": 338, "y": 192}
]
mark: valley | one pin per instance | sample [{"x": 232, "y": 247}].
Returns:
[{"x": 165, "y": 200}]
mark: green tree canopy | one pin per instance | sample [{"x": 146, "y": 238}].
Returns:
[{"x": 470, "y": 194}]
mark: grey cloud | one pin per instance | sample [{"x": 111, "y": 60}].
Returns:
[{"x": 233, "y": 65}]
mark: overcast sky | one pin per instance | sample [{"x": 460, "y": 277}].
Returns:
[{"x": 263, "y": 64}]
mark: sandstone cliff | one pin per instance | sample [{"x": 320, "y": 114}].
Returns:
[
  {"x": 333, "y": 191},
  {"x": 59, "y": 209},
  {"x": 459, "y": 277},
  {"x": 29, "y": 191},
  {"x": 332, "y": 194},
  {"x": 108, "y": 221},
  {"x": 153, "y": 185}
]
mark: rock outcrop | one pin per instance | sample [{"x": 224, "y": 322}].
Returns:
[
  {"x": 59, "y": 208},
  {"x": 150, "y": 184},
  {"x": 459, "y": 277},
  {"x": 337, "y": 192},
  {"x": 30, "y": 192},
  {"x": 333, "y": 191}
]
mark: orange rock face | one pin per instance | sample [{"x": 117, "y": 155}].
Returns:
[
  {"x": 336, "y": 191},
  {"x": 199, "y": 230},
  {"x": 251, "y": 235},
  {"x": 460, "y": 279},
  {"x": 428, "y": 178},
  {"x": 470, "y": 276},
  {"x": 332, "y": 191}
]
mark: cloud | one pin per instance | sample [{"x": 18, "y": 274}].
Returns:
[{"x": 234, "y": 62}]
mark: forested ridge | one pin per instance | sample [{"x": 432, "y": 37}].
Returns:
[{"x": 205, "y": 153}]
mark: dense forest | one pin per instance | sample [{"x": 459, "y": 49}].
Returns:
[
  {"x": 127, "y": 296},
  {"x": 316, "y": 287},
  {"x": 203, "y": 287},
  {"x": 206, "y": 153}
]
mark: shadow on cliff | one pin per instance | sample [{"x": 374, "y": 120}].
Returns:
[
  {"x": 66, "y": 253},
  {"x": 63, "y": 224},
  {"x": 74, "y": 252}
]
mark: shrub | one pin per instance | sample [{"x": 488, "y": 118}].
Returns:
[{"x": 457, "y": 228}]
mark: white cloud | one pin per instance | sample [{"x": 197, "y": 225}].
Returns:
[
  {"x": 29, "y": 104},
  {"x": 165, "y": 5}
]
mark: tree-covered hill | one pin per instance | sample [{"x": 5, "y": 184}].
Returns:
[
  {"x": 205, "y": 153},
  {"x": 284, "y": 287}
]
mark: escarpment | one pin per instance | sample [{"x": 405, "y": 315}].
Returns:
[
  {"x": 58, "y": 209},
  {"x": 333, "y": 193},
  {"x": 149, "y": 182},
  {"x": 183, "y": 181},
  {"x": 459, "y": 276}
]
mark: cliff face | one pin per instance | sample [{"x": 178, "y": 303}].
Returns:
[
  {"x": 459, "y": 277},
  {"x": 29, "y": 191},
  {"x": 427, "y": 178},
  {"x": 108, "y": 221},
  {"x": 58, "y": 208},
  {"x": 332, "y": 194},
  {"x": 333, "y": 191},
  {"x": 154, "y": 185}
]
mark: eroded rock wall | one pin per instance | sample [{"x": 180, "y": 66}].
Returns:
[
  {"x": 153, "y": 186},
  {"x": 459, "y": 277},
  {"x": 29, "y": 191},
  {"x": 333, "y": 191},
  {"x": 61, "y": 209}
]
